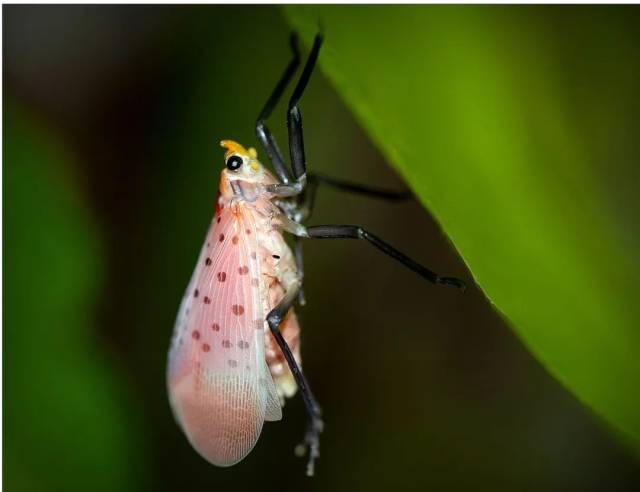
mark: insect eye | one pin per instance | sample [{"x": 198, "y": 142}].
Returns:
[{"x": 234, "y": 162}]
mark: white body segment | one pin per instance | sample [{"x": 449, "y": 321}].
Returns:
[{"x": 226, "y": 374}]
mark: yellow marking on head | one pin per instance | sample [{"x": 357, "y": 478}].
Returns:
[
  {"x": 234, "y": 148},
  {"x": 249, "y": 155}
]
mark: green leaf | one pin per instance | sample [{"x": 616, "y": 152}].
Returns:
[
  {"x": 517, "y": 128},
  {"x": 66, "y": 425}
]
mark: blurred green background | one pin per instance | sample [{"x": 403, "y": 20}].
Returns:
[{"x": 112, "y": 117}]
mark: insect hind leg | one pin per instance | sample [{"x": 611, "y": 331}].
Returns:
[
  {"x": 299, "y": 258},
  {"x": 315, "y": 426}
]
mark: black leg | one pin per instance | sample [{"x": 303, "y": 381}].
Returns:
[
  {"x": 370, "y": 191},
  {"x": 299, "y": 257},
  {"x": 265, "y": 136},
  {"x": 294, "y": 118},
  {"x": 312, "y": 437},
  {"x": 306, "y": 201},
  {"x": 356, "y": 232}
]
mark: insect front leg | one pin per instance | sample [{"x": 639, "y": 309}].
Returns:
[
  {"x": 286, "y": 190},
  {"x": 287, "y": 187},
  {"x": 265, "y": 136},
  {"x": 294, "y": 117},
  {"x": 274, "y": 319}
]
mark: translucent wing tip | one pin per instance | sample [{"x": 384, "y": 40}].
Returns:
[{"x": 221, "y": 416}]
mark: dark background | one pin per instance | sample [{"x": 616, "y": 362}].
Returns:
[{"x": 112, "y": 118}]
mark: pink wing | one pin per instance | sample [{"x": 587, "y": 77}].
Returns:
[{"x": 220, "y": 388}]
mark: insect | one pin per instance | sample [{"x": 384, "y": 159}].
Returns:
[{"x": 235, "y": 350}]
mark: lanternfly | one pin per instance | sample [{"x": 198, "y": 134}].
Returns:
[{"x": 235, "y": 351}]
